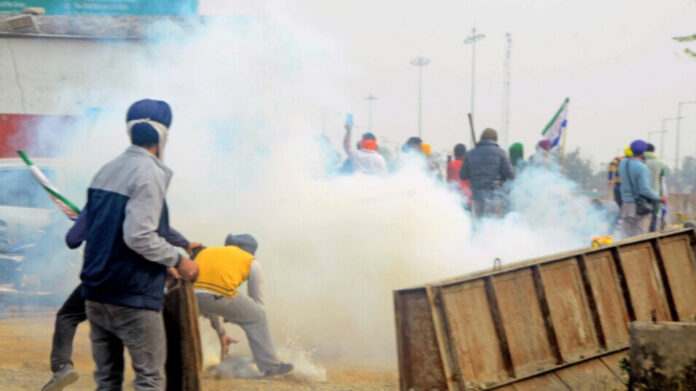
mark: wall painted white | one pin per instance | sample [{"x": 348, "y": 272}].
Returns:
[{"x": 58, "y": 76}]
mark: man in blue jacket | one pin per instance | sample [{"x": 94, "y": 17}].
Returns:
[
  {"x": 127, "y": 256},
  {"x": 72, "y": 312},
  {"x": 635, "y": 183}
]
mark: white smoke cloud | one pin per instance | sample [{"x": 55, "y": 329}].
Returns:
[{"x": 248, "y": 99}]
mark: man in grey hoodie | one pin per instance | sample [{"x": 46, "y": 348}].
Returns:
[{"x": 127, "y": 254}]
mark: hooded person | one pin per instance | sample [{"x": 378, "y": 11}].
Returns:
[
  {"x": 453, "y": 168},
  {"x": 614, "y": 180},
  {"x": 637, "y": 195},
  {"x": 126, "y": 229},
  {"x": 488, "y": 168},
  {"x": 412, "y": 144},
  {"x": 433, "y": 166},
  {"x": 658, "y": 174},
  {"x": 516, "y": 152},
  {"x": 222, "y": 271},
  {"x": 542, "y": 156},
  {"x": 365, "y": 159}
]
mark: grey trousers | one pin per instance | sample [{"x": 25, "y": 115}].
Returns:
[
  {"x": 488, "y": 203},
  {"x": 141, "y": 331},
  {"x": 633, "y": 225},
  {"x": 71, "y": 314},
  {"x": 251, "y": 317}
]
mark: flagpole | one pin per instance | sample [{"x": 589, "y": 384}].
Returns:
[{"x": 563, "y": 142}]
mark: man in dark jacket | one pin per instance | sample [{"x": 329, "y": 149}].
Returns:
[
  {"x": 72, "y": 312},
  {"x": 488, "y": 168},
  {"x": 127, "y": 255}
]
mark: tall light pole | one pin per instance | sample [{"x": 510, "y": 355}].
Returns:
[
  {"x": 471, "y": 40},
  {"x": 662, "y": 137},
  {"x": 679, "y": 117},
  {"x": 420, "y": 62},
  {"x": 505, "y": 117},
  {"x": 370, "y": 98}
]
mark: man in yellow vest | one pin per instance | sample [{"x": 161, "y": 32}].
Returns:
[{"x": 221, "y": 271}]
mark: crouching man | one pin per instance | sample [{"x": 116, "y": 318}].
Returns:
[{"x": 222, "y": 271}]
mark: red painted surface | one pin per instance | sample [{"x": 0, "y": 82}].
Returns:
[{"x": 38, "y": 135}]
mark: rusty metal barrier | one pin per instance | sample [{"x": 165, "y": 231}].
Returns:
[{"x": 554, "y": 323}]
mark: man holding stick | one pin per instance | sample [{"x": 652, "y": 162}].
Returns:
[{"x": 127, "y": 255}]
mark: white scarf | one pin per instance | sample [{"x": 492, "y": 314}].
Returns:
[{"x": 160, "y": 128}]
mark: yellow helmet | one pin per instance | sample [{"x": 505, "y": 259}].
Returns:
[{"x": 628, "y": 152}]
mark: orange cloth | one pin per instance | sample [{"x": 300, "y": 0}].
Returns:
[
  {"x": 426, "y": 149},
  {"x": 369, "y": 144}
]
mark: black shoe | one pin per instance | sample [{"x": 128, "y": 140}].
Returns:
[{"x": 279, "y": 370}]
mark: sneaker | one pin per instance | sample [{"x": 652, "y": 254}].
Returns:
[
  {"x": 279, "y": 370},
  {"x": 61, "y": 379}
]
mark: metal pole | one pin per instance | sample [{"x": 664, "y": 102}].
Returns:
[
  {"x": 505, "y": 112},
  {"x": 677, "y": 146},
  {"x": 662, "y": 140},
  {"x": 420, "y": 102},
  {"x": 369, "y": 99},
  {"x": 420, "y": 62},
  {"x": 473, "y": 70},
  {"x": 662, "y": 137},
  {"x": 472, "y": 40}
]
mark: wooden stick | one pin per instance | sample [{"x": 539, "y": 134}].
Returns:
[{"x": 473, "y": 134}]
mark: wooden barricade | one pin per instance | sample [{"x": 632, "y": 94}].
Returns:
[
  {"x": 555, "y": 323},
  {"x": 184, "y": 355}
]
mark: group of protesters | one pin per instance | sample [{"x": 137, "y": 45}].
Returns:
[
  {"x": 480, "y": 174},
  {"x": 637, "y": 178}
]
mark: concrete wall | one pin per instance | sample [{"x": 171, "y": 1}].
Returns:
[{"x": 59, "y": 76}]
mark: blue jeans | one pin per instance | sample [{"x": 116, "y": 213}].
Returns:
[{"x": 141, "y": 331}]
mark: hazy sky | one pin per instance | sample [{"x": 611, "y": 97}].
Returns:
[{"x": 614, "y": 59}]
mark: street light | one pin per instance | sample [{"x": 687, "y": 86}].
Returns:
[
  {"x": 369, "y": 100},
  {"x": 471, "y": 40},
  {"x": 420, "y": 62},
  {"x": 676, "y": 147},
  {"x": 662, "y": 138}
]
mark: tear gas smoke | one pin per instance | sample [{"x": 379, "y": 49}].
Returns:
[{"x": 247, "y": 99}]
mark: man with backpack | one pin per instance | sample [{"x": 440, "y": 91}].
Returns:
[{"x": 637, "y": 196}]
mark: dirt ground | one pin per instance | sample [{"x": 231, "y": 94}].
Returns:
[{"x": 25, "y": 347}]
